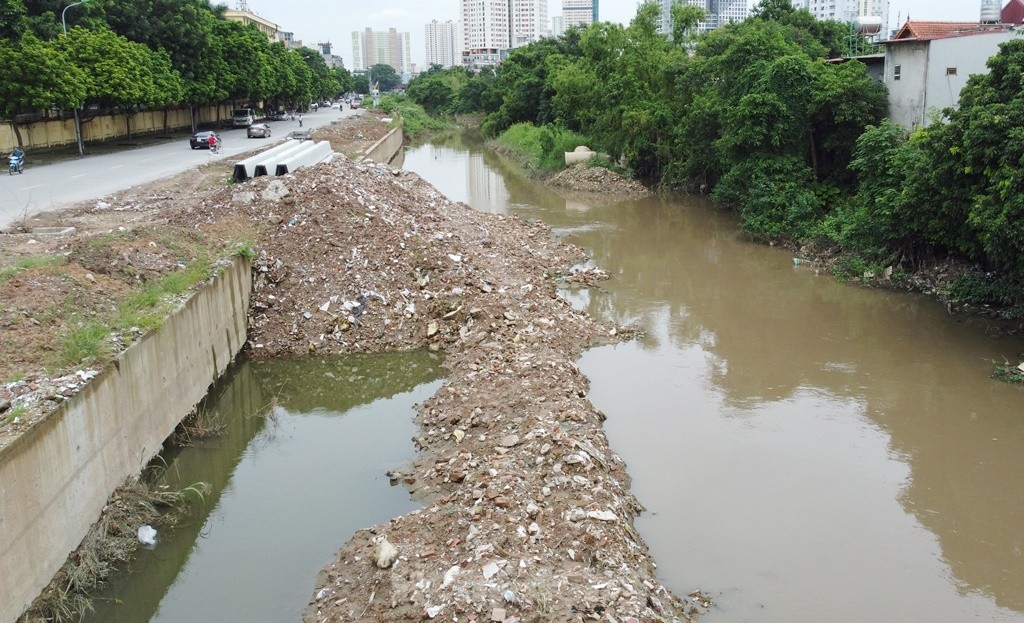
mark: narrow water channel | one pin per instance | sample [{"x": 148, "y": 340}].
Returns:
[
  {"x": 299, "y": 467},
  {"x": 808, "y": 450}
]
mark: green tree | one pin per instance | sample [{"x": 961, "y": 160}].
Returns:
[
  {"x": 385, "y": 77},
  {"x": 321, "y": 83},
  {"x": 983, "y": 145},
  {"x": 13, "y": 19},
  {"x": 38, "y": 76},
  {"x": 119, "y": 72}
]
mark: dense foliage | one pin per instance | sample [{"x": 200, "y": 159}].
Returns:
[
  {"x": 148, "y": 54},
  {"x": 753, "y": 113}
]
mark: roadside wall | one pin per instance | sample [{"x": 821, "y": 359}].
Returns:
[
  {"x": 385, "y": 150},
  {"x": 57, "y": 476},
  {"x": 55, "y": 132}
]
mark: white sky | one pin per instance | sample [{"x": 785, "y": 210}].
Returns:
[{"x": 316, "y": 20}]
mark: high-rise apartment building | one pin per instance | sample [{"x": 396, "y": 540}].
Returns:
[
  {"x": 846, "y": 10},
  {"x": 558, "y": 26},
  {"x": 371, "y": 48},
  {"x": 486, "y": 31},
  {"x": 719, "y": 13},
  {"x": 529, "y": 21},
  {"x": 579, "y": 13},
  {"x": 444, "y": 43}
]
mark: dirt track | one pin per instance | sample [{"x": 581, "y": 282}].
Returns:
[{"x": 527, "y": 514}]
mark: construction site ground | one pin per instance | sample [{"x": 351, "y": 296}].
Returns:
[{"x": 527, "y": 514}]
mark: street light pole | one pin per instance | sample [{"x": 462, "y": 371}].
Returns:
[{"x": 78, "y": 122}]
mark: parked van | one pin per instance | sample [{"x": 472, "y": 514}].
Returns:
[{"x": 243, "y": 117}]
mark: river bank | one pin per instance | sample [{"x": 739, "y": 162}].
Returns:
[{"x": 528, "y": 515}]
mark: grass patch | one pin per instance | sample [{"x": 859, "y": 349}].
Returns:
[
  {"x": 28, "y": 263},
  {"x": 147, "y": 308},
  {"x": 541, "y": 148},
  {"x": 86, "y": 343},
  {"x": 144, "y": 310},
  {"x": 15, "y": 413},
  {"x": 414, "y": 119}
]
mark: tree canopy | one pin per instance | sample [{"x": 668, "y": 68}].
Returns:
[{"x": 148, "y": 54}]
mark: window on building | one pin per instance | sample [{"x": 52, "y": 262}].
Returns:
[
  {"x": 951, "y": 71},
  {"x": 896, "y": 72}
]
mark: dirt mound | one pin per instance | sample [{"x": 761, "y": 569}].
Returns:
[
  {"x": 353, "y": 135},
  {"x": 589, "y": 179}
]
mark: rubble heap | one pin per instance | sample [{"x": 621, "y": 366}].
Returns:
[
  {"x": 588, "y": 179},
  {"x": 528, "y": 514}
]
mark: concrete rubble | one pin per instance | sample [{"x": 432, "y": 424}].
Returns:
[{"x": 528, "y": 515}]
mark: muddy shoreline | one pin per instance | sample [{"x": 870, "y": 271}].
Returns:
[{"x": 528, "y": 514}]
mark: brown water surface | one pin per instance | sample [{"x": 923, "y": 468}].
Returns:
[{"x": 808, "y": 450}]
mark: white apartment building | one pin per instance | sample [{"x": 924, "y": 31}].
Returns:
[
  {"x": 557, "y": 26},
  {"x": 719, "y": 13},
  {"x": 529, "y": 21},
  {"x": 847, "y": 10},
  {"x": 578, "y": 13},
  {"x": 444, "y": 43},
  {"x": 371, "y": 48}
]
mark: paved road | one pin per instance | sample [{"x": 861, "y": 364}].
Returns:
[{"x": 59, "y": 185}]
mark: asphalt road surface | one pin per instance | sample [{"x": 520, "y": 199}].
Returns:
[{"x": 62, "y": 184}]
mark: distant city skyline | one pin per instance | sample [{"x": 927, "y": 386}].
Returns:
[{"x": 312, "y": 21}]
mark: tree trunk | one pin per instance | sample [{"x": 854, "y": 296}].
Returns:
[
  {"x": 165, "y": 122},
  {"x": 17, "y": 132},
  {"x": 128, "y": 127}
]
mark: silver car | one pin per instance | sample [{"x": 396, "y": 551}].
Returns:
[{"x": 258, "y": 130}]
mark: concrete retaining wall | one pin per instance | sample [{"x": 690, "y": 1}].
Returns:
[
  {"x": 385, "y": 150},
  {"x": 56, "y": 132},
  {"x": 55, "y": 479}
]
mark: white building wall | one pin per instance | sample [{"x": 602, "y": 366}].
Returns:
[
  {"x": 557, "y": 26},
  {"x": 444, "y": 45},
  {"x": 577, "y": 13},
  {"x": 719, "y": 13},
  {"x": 847, "y": 10},
  {"x": 371, "y": 47},
  {"x": 358, "y": 53},
  {"x": 529, "y": 21},
  {"x": 486, "y": 27},
  {"x": 932, "y": 73}
]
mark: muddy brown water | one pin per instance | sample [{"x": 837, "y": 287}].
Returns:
[
  {"x": 301, "y": 466},
  {"x": 807, "y": 450}
]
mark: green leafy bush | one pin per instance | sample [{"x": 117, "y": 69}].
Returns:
[
  {"x": 985, "y": 290},
  {"x": 414, "y": 119},
  {"x": 542, "y": 148},
  {"x": 775, "y": 197}
]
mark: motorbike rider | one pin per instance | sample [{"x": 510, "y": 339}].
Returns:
[{"x": 17, "y": 154}]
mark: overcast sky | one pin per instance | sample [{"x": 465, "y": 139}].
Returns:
[{"x": 316, "y": 20}]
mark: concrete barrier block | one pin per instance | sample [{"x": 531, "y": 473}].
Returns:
[{"x": 317, "y": 152}]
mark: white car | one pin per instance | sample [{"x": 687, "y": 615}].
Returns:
[{"x": 258, "y": 130}]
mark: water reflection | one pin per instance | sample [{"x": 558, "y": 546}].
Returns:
[
  {"x": 815, "y": 451},
  {"x": 300, "y": 467}
]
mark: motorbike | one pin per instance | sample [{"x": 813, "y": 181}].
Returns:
[{"x": 16, "y": 164}]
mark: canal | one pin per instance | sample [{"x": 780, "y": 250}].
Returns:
[
  {"x": 807, "y": 450},
  {"x": 299, "y": 466}
]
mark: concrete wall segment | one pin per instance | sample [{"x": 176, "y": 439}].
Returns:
[{"x": 56, "y": 478}]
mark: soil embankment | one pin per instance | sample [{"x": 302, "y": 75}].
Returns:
[{"x": 527, "y": 513}]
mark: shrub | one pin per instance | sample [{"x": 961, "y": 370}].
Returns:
[{"x": 542, "y": 147}]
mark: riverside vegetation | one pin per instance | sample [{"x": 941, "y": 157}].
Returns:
[{"x": 753, "y": 114}]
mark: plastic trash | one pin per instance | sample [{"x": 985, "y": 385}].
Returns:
[{"x": 147, "y": 536}]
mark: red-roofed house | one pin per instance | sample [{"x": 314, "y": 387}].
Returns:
[
  {"x": 1013, "y": 12},
  {"x": 928, "y": 63}
]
